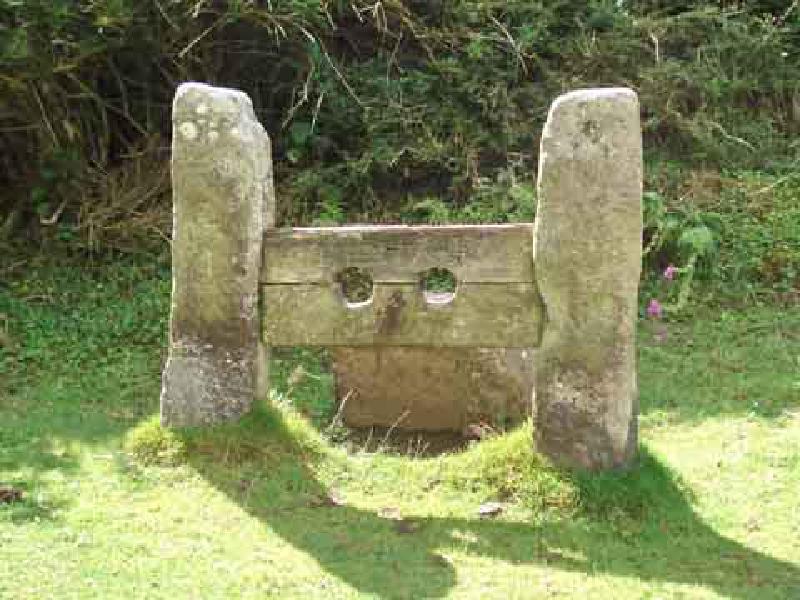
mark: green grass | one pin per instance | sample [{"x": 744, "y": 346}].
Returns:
[{"x": 115, "y": 507}]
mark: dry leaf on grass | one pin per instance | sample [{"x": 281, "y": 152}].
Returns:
[
  {"x": 330, "y": 499},
  {"x": 490, "y": 509},
  {"x": 9, "y": 494}
]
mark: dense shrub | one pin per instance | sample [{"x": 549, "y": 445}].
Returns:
[{"x": 417, "y": 110}]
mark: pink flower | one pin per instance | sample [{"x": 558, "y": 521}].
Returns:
[
  {"x": 669, "y": 272},
  {"x": 654, "y": 309}
]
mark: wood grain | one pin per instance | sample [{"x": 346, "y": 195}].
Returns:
[
  {"x": 399, "y": 254},
  {"x": 485, "y": 314}
]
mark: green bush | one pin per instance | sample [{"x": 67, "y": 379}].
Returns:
[
  {"x": 733, "y": 236},
  {"x": 395, "y": 111}
]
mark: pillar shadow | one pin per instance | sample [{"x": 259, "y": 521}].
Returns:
[{"x": 668, "y": 542}]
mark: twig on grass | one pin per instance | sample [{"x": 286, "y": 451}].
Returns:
[
  {"x": 337, "y": 418},
  {"x": 382, "y": 445}
]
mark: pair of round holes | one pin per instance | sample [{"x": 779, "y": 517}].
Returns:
[{"x": 438, "y": 286}]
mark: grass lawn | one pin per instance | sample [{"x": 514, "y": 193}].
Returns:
[{"x": 115, "y": 507}]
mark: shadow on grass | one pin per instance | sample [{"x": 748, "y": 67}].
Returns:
[
  {"x": 79, "y": 364},
  {"x": 32, "y": 466},
  {"x": 49, "y": 421},
  {"x": 637, "y": 525},
  {"x": 729, "y": 363},
  {"x": 30, "y": 458}
]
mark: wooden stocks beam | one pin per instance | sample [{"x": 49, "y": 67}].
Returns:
[{"x": 496, "y": 302}]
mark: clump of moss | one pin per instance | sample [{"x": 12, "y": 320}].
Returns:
[{"x": 152, "y": 444}]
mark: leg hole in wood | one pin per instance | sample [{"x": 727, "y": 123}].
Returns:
[
  {"x": 356, "y": 287},
  {"x": 438, "y": 285}
]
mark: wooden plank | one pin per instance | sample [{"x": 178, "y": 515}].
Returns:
[
  {"x": 490, "y": 315},
  {"x": 398, "y": 253}
]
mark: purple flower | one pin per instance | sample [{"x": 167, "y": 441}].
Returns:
[
  {"x": 669, "y": 272},
  {"x": 654, "y": 309}
]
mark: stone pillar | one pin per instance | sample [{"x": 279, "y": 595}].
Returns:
[
  {"x": 587, "y": 255},
  {"x": 222, "y": 201}
]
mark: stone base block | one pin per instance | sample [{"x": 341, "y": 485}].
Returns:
[
  {"x": 206, "y": 388},
  {"x": 433, "y": 389}
]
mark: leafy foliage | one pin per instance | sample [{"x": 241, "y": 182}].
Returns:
[
  {"x": 733, "y": 235},
  {"x": 376, "y": 107}
]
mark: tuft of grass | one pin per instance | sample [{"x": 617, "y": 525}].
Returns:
[
  {"x": 264, "y": 436},
  {"x": 505, "y": 467},
  {"x": 152, "y": 444}
]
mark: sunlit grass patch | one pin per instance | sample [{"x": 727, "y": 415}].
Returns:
[{"x": 284, "y": 504}]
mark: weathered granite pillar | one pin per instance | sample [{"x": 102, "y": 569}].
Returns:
[
  {"x": 222, "y": 201},
  {"x": 587, "y": 253}
]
